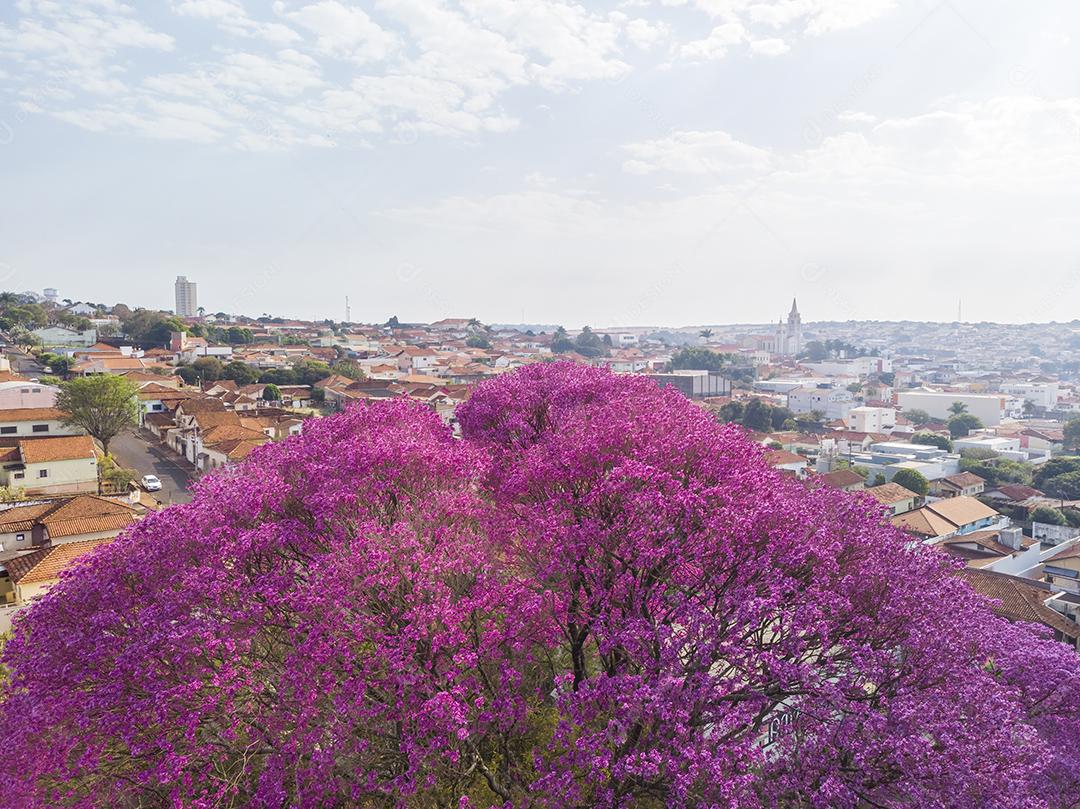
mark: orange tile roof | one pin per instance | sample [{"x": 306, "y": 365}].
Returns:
[
  {"x": 46, "y": 564},
  {"x": 32, "y": 414},
  {"x": 59, "y": 448}
]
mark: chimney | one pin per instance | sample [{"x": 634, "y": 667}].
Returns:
[{"x": 1011, "y": 537}]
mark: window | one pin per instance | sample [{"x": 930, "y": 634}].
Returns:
[
  {"x": 19, "y": 475},
  {"x": 7, "y": 430},
  {"x": 20, "y": 537},
  {"x": 41, "y": 428},
  {"x": 43, "y": 473},
  {"x": 37, "y": 390}
]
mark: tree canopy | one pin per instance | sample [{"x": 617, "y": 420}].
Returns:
[
  {"x": 960, "y": 424},
  {"x": 912, "y": 480},
  {"x": 103, "y": 405},
  {"x": 600, "y": 596}
]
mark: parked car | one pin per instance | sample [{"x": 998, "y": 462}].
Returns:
[{"x": 151, "y": 483}]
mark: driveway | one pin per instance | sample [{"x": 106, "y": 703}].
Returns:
[{"x": 151, "y": 459}]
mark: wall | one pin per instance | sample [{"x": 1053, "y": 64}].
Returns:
[
  {"x": 65, "y": 477},
  {"x": 26, "y": 428},
  {"x": 14, "y": 395},
  {"x": 986, "y": 408}
]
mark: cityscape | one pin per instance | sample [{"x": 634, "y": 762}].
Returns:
[{"x": 539, "y": 404}]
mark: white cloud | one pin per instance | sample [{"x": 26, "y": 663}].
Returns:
[
  {"x": 319, "y": 71},
  {"x": 716, "y": 44},
  {"x": 346, "y": 32},
  {"x": 715, "y": 153},
  {"x": 769, "y": 47}
]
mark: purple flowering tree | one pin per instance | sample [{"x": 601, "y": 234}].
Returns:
[{"x": 599, "y": 597}]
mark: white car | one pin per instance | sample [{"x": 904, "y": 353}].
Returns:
[{"x": 151, "y": 483}]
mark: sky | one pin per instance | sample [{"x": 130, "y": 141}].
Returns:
[{"x": 635, "y": 162}]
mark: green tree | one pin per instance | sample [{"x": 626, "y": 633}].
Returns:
[
  {"x": 697, "y": 358},
  {"x": 779, "y": 416},
  {"x": 933, "y": 440},
  {"x": 561, "y": 342},
  {"x": 240, "y": 372},
  {"x": 349, "y": 368},
  {"x": 961, "y": 424},
  {"x": 917, "y": 417},
  {"x": 757, "y": 416},
  {"x": 589, "y": 344},
  {"x": 912, "y": 480},
  {"x": 1065, "y": 487},
  {"x": 58, "y": 364},
  {"x": 879, "y": 480},
  {"x": 209, "y": 369},
  {"x": 102, "y": 405},
  {"x": 271, "y": 393},
  {"x": 815, "y": 351},
  {"x": 732, "y": 412},
  {"x": 956, "y": 408},
  {"x": 1061, "y": 465},
  {"x": 1048, "y": 515},
  {"x": 477, "y": 341},
  {"x": 1072, "y": 434}
]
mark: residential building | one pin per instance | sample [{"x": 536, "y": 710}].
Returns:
[
  {"x": 187, "y": 300},
  {"x": 20, "y": 393},
  {"x": 1026, "y": 601},
  {"x": 895, "y": 497},
  {"x": 36, "y": 422},
  {"x": 964, "y": 484},
  {"x": 61, "y": 465},
  {"x": 36, "y": 523},
  {"x": 32, "y": 574},
  {"x": 60, "y": 336},
  {"x": 834, "y": 403},
  {"x": 871, "y": 419},
  {"x": 943, "y": 519}
]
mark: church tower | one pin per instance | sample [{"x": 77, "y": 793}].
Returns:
[{"x": 794, "y": 330}]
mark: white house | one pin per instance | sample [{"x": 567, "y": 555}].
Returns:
[
  {"x": 35, "y": 422},
  {"x": 871, "y": 419},
  {"x": 59, "y": 336},
  {"x": 835, "y": 403},
  {"x": 1040, "y": 394},
  {"x": 60, "y": 465}
]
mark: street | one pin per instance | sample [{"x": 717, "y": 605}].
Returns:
[{"x": 133, "y": 452}]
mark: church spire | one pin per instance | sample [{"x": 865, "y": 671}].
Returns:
[{"x": 794, "y": 307}]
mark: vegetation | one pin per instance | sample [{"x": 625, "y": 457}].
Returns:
[
  {"x": 271, "y": 393},
  {"x": 587, "y": 343},
  {"x": 114, "y": 474},
  {"x": 757, "y": 415},
  {"x": 1048, "y": 515},
  {"x": 598, "y": 597},
  {"x": 961, "y": 424},
  {"x": 917, "y": 417},
  {"x": 102, "y": 405},
  {"x": 1072, "y": 434},
  {"x": 933, "y": 440},
  {"x": 913, "y": 480}
]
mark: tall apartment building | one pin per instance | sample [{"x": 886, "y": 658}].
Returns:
[{"x": 187, "y": 302}]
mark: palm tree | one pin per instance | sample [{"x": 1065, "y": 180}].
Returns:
[
  {"x": 706, "y": 333},
  {"x": 956, "y": 408}
]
